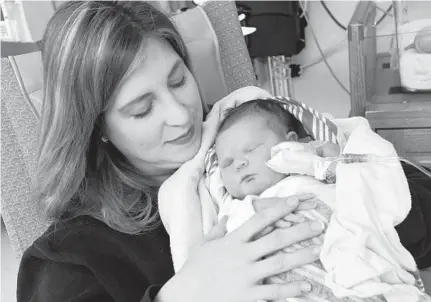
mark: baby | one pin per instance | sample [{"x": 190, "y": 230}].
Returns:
[{"x": 261, "y": 151}]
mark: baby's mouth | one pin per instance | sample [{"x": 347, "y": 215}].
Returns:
[{"x": 247, "y": 178}]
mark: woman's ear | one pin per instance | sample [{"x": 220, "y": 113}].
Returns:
[
  {"x": 292, "y": 136},
  {"x": 100, "y": 130}
]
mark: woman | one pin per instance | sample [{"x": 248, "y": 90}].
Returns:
[{"x": 122, "y": 112}]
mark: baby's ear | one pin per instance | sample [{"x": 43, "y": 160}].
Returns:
[{"x": 292, "y": 136}]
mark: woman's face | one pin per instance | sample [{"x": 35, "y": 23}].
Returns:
[{"x": 156, "y": 115}]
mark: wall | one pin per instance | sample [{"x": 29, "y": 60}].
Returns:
[{"x": 315, "y": 86}]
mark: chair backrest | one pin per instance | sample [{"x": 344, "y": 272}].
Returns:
[{"x": 213, "y": 36}]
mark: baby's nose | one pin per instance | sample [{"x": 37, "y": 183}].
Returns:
[{"x": 241, "y": 163}]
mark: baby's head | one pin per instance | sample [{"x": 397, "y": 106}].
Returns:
[{"x": 243, "y": 145}]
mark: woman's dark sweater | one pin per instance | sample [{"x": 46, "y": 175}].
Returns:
[{"x": 82, "y": 259}]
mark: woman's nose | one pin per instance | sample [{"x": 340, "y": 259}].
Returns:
[
  {"x": 241, "y": 163},
  {"x": 176, "y": 113}
]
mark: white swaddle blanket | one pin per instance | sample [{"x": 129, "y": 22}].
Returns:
[{"x": 361, "y": 253}]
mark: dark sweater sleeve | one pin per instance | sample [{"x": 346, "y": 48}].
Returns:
[{"x": 415, "y": 230}]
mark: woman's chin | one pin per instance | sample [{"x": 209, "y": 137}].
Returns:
[
  {"x": 187, "y": 153},
  {"x": 192, "y": 150}
]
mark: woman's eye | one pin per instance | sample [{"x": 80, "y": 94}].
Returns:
[
  {"x": 179, "y": 83},
  {"x": 144, "y": 113}
]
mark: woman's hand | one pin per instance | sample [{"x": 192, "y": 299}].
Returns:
[
  {"x": 242, "y": 95},
  {"x": 230, "y": 268},
  {"x": 213, "y": 119},
  {"x": 233, "y": 99},
  {"x": 238, "y": 97}
]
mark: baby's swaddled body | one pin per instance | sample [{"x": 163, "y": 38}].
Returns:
[{"x": 239, "y": 211}]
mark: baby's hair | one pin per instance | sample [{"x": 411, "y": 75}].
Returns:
[{"x": 259, "y": 106}]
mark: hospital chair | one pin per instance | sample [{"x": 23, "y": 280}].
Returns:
[{"x": 219, "y": 61}]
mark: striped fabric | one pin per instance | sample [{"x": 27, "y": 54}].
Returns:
[{"x": 315, "y": 124}]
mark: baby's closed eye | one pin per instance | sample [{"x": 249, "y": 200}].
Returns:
[
  {"x": 253, "y": 147},
  {"x": 226, "y": 163}
]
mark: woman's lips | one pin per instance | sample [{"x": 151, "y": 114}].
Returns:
[{"x": 185, "y": 138}]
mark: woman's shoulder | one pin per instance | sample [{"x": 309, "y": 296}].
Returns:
[
  {"x": 70, "y": 229},
  {"x": 72, "y": 226}
]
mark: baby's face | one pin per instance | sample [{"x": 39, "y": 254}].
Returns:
[{"x": 242, "y": 151}]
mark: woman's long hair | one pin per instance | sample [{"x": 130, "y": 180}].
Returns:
[{"x": 88, "y": 48}]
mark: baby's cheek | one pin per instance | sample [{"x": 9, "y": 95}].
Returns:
[{"x": 229, "y": 182}]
